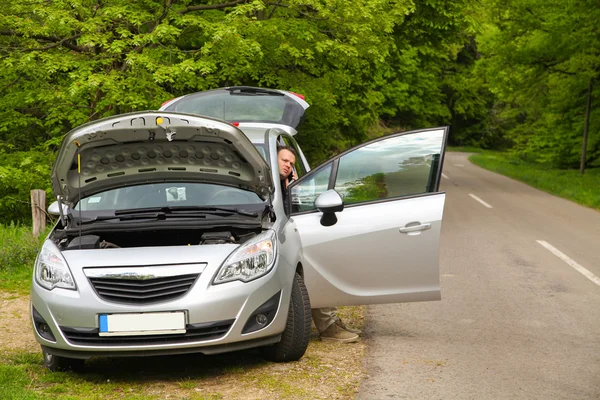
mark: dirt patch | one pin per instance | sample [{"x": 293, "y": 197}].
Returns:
[
  {"x": 15, "y": 325},
  {"x": 327, "y": 371}
]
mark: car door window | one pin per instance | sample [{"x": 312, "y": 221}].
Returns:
[
  {"x": 394, "y": 167},
  {"x": 304, "y": 194}
]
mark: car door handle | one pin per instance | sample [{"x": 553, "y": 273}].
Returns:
[{"x": 415, "y": 228}]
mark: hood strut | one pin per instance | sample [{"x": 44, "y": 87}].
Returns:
[{"x": 63, "y": 217}]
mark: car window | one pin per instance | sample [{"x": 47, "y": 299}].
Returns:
[
  {"x": 304, "y": 194},
  {"x": 167, "y": 195},
  {"x": 389, "y": 168},
  {"x": 242, "y": 104}
]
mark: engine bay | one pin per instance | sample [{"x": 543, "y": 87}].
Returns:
[{"x": 152, "y": 238}]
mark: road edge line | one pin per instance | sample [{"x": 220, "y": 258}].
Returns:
[
  {"x": 579, "y": 268},
  {"x": 479, "y": 200}
]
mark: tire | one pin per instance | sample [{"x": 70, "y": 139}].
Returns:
[
  {"x": 57, "y": 363},
  {"x": 295, "y": 337}
]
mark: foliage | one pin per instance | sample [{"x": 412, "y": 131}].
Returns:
[
  {"x": 17, "y": 256},
  {"x": 540, "y": 58},
  {"x": 21, "y": 172},
  {"x": 70, "y": 62},
  {"x": 504, "y": 74},
  {"x": 430, "y": 79},
  {"x": 64, "y": 63}
]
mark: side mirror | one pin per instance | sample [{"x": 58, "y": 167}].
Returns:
[
  {"x": 54, "y": 210},
  {"x": 329, "y": 203}
]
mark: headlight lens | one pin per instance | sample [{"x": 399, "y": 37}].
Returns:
[
  {"x": 51, "y": 269},
  {"x": 251, "y": 260}
]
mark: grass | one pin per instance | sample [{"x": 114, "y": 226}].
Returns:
[
  {"x": 327, "y": 371},
  {"x": 18, "y": 249},
  {"x": 229, "y": 376},
  {"x": 569, "y": 184}
]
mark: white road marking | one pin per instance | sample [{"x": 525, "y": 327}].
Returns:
[
  {"x": 445, "y": 176},
  {"x": 583, "y": 271},
  {"x": 459, "y": 165},
  {"x": 479, "y": 200}
]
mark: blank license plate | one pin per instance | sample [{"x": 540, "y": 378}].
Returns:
[{"x": 142, "y": 324}]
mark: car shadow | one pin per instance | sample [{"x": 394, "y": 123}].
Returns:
[{"x": 169, "y": 368}]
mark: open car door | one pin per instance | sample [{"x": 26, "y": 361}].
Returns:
[{"x": 384, "y": 246}]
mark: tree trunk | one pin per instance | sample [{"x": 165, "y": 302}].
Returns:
[
  {"x": 38, "y": 214},
  {"x": 586, "y": 128}
]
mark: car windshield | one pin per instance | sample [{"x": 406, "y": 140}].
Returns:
[{"x": 173, "y": 194}]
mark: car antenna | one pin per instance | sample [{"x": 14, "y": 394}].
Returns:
[{"x": 79, "y": 187}]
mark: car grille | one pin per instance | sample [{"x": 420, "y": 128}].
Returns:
[
  {"x": 143, "y": 291},
  {"x": 194, "y": 333}
]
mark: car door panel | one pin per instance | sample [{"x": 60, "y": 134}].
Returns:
[
  {"x": 384, "y": 247},
  {"x": 365, "y": 259}
]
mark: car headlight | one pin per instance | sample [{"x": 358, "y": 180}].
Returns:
[
  {"x": 51, "y": 270},
  {"x": 251, "y": 260}
]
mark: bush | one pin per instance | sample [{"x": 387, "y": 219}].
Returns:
[
  {"x": 18, "y": 250},
  {"x": 20, "y": 173},
  {"x": 19, "y": 247}
]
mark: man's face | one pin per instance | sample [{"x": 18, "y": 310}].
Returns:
[{"x": 286, "y": 160}]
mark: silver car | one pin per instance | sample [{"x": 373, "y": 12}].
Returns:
[{"x": 175, "y": 234}]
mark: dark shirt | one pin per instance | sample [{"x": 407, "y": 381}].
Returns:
[{"x": 284, "y": 192}]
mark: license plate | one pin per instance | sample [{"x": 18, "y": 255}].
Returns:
[{"x": 160, "y": 323}]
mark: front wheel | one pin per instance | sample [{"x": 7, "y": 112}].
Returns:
[
  {"x": 294, "y": 339},
  {"x": 58, "y": 363}
]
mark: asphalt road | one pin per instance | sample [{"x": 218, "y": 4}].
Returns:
[{"x": 516, "y": 320}]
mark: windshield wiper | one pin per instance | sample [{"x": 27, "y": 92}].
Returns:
[
  {"x": 181, "y": 210},
  {"x": 154, "y": 213},
  {"x": 124, "y": 217}
]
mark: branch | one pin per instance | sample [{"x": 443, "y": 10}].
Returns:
[
  {"x": 551, "y": 65},
  {"x": 56, "y": 41},
  {"x": 211, "y": 6},
  {"x": 17, "y": 79},
  {"x": 166, "y": 8},
  {"x": 274, "y": 8},
  {"x": 561, "y": 71}
]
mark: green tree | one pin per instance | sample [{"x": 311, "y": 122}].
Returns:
[
  {"x": 64, "y": 63},
  {"x": 430, "y": 79},
  {"x": 542, "y": 58}
]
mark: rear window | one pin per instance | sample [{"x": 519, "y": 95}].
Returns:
[{"x": 242, "y": 105}]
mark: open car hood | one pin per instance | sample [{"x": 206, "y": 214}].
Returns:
[{"x": 156, "y": 146}]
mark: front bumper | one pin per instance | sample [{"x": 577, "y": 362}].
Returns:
[{"x": 216, "y": 317}]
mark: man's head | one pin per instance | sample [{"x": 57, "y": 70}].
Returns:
[{"x": 286, "y": 157}]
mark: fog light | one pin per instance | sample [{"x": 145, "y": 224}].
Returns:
[
  {"x": 261, "y": 319},
  {"x": 44, "y": 329},
  {"x": 263, "y": 315},
  {"x": 41, "y": 326}
]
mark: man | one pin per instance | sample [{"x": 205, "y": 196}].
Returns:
[{"x": 329, "y": 325}]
